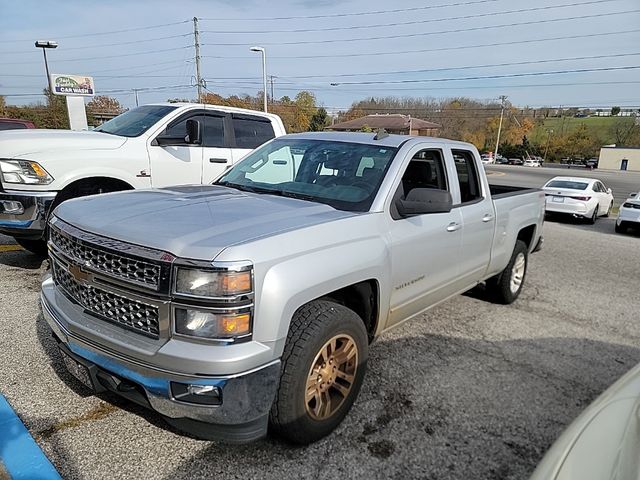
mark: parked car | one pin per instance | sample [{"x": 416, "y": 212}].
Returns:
[
  {"x": 629, "y": 214},
  {"x": 602, "y": 443},
  {"x": 236, "y": 305},
  {"x": 591, "y": 164},
  {"x": 516, "y": 161},
  {"x": 15, "y": 124},
  {"x": 530, "y": 162},
  {"x": 580, "y": 197},
  {"x": 150, "y": 146},
  {"x": 487, "y": 159}
]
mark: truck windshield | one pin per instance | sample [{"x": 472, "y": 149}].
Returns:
[
  {"x": 346, "y": 176},
  {"x": 135, "y": 122}
]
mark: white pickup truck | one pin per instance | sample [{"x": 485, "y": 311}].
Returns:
[
  {"x": 252, "y": 301},
  {"x": 150, "y": 146}
]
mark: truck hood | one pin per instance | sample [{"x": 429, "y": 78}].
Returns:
[
  {"x": 196, "y": 222},
  {"x": 24, "y": 143}
]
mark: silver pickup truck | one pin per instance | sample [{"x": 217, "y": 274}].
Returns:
[{"x": 251, "y": 303}]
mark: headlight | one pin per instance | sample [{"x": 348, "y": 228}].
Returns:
[
  {"x": 24, "y": 171},
  {"x": 212, "y": 284},
  {"x": 206, "y": 324}
]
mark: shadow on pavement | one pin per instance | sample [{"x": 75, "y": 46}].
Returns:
[
  {"x": 602, "y": 225},
  {"x": 432, "y": 406},
  {"x": 22, "y": 259}
]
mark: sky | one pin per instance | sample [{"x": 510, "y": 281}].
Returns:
[{"x": 546, "y": 53}]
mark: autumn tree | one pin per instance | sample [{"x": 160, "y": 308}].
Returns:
[{"x": 104, "y": 104}]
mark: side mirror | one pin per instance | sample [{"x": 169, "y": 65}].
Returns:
[
  {"x": 420, "y": 201},
  {"x": 609, "y": 191},
  {"x": 633, "y": 195},
  {"x": 194, "y": 132}
]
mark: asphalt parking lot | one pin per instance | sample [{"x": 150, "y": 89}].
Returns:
[{"x": 469, "y": 390}]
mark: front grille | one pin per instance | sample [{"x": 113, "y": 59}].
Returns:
[
  {"x": 123, "y": 311},
  {"x": 126, "y": 268}
]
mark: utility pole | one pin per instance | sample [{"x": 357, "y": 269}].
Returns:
[
  {"x": 546, "y": 149},
  {"x": 502, "y": 100},
  {"x": 196, "y": 37},
  {"x": 135, "y": 90},
  {"x": 271, "y": 77}
]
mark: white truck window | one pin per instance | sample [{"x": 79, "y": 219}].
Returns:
[
  {"x": 251, "y": 133},
  {"x": 467, "y": 176}
]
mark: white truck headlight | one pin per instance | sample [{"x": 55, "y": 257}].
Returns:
[
  {"x": 24, "y": 171},
  {"x": 195, "y": 322},
  {"x": 212, "y": 284}
]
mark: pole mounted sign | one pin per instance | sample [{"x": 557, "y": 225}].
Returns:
[{"x": 75, "y": 85}]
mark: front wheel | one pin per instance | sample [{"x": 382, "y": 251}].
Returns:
[
  {"x": 507, "y": 285},
  {"x": 324, "y": 363},
  {"x": 621, "y": 228},
  {"x": 37, "y": 247}
]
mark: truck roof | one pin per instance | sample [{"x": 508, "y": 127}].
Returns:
[
  {"x": 392, "y": 140},
  {"x": 217, "y": 107}
]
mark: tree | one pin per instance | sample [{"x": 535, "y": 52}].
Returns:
[
  {"x": 366, "y": 129},
  {"x": 104, "y": 104},
  {"x": 615, "y": 111},
  {"x": 319, "y": 120}
]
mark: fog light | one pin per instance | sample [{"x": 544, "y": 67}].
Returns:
[
  {"x": 12, "y": 207},
  {"x": 198, "y": 394}
]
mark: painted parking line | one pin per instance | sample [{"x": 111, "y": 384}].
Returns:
[
  {"x": 10, "y": 248},
  {"x": 19, "y": 453}
]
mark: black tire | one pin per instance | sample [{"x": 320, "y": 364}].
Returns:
[
  {"x": 591, "y": 220},
  {"x": 621, "y": 228},
  {"x": 37, "y": 247},
  {"x": 312, "y": 326},
  {"x": 608, "y": 210},
  {"x": 499, "y": 287}
]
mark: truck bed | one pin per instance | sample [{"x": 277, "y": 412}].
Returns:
[{"x": 502, "y": 191}]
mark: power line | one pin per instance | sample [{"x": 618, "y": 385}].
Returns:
[
  {"x": 358, "y": 14},
  {"x": 510, "y": 75},
  {"x": 461, "y": 47},
  {"x": 422, "y": 34},
  {"x": 413, "y": 22},
  {"x": 147, "y": 52},
  {"x": 93, "y": 34}
]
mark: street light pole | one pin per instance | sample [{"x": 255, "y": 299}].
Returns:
[
  {"x": 264, "y": 73},
  {"x": 44, "y": 44}
]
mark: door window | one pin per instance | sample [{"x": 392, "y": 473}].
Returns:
[
  {"x": 212, "y": 129},
  {"x": 467, "y": 176},
  {"x": 425, "y": 170},
  {"x": 251, "y": 133}
]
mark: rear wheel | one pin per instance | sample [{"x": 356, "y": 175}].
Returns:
[
  {"x": 324, "y": 363},
  {"x": 594, "y": 216},
  {"x": 38, "y": 247},
  {"x": 507, "y": 285},
  {"x": 621, "y": 228}
]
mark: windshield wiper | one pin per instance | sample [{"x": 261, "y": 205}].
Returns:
[
  {"x": 298, "y": 196},
  {"x": 247, "y": 188}
]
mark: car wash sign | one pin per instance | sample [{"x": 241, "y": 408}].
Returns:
[{"x": 76, "y": 85}]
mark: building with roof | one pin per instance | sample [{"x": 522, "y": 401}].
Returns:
[
  {"x": 392, "y": 123},
  {"x": 620, "y": 158}
]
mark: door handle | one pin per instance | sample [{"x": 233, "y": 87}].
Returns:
[
  {"x": 453, "y": 226},
  {"x": 217, "y": 160},
  {"x": 487, "y": 217}
]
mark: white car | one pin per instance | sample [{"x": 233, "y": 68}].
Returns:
[
  {"x": 629, "y": 215},
  {"x": 580, "y": 197},
  {"x": 486, "y": 159},
  {"x": 530, "y": 162},
  {"x": 602, "y": 443}
]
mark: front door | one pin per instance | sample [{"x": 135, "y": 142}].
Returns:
[
  {"x": 217, "y": 154},
  {"x": 179, "y": 164},
  {"x": 424, "y": 248}
]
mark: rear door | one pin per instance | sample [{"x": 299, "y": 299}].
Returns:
[
  {"x": 478, "y": 217},
  {"x": 217, "y": 139},
  {"x": 249, "y": 132},
  {"x": 424, "y": 248}
]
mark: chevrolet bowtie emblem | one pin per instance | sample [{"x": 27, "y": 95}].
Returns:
[{"x": 77, "y": 273}]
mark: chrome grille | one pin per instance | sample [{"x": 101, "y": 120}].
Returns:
[
  {"x": 110, "y": 263},
  {"x": 117, "y": 309}
]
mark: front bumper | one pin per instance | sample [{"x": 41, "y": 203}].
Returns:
[
  {"x": 245, "y": 398},
  {"x": 23, "y": 213}
]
